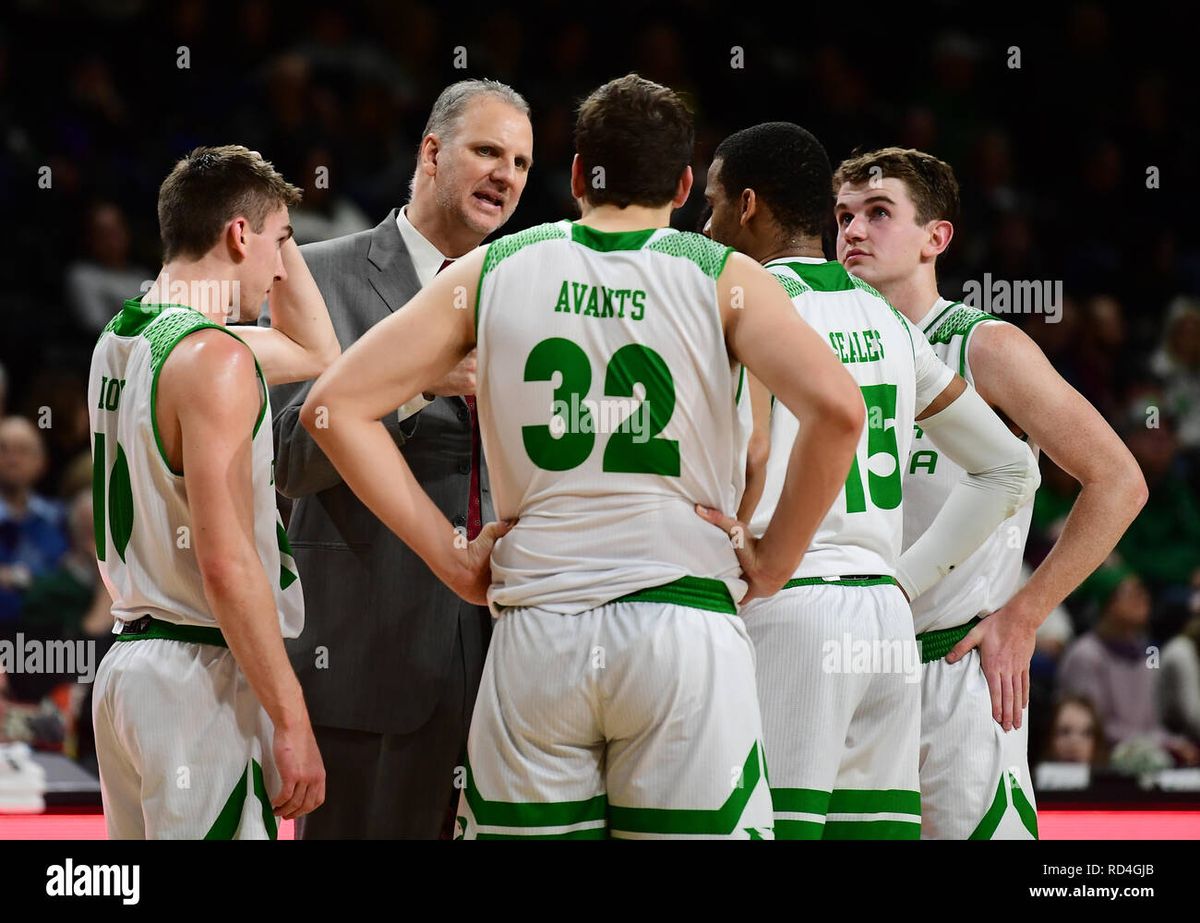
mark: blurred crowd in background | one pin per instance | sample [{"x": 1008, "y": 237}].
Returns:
[{"x": 1073, "y": 133}]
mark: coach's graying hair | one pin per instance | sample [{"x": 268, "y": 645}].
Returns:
[{"x": 450, "y": 105}]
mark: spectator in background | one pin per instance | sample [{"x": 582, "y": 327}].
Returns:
[
  {"x": 1180, "y": 689},
  {"x": 323, "y": 214},
  {"x": 1177, "y": 363},
  {"x": 31, "y": 527},
  {"x": 1102, "y": 338},
  {"x": 1109, "y": 666},
  {"x": 1074, "y": 735},
  {"x": 70, "y": 603},
  {"x": 98, "y": 284},
  {"x": 1163, "y": 543}
]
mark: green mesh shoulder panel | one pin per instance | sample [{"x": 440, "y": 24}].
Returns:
[
  {"x": 168, "y": 329},
  {"x": 502, "y": 249},
  {"x": 792, "y": 285},
  {"x": 871, "y": 290},
  {"x": 958, "y": 322},
  {"x": 708, "y": 255},
  {"x": 163, "y": 334}
]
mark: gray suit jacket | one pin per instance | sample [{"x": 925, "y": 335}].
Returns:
[{"x": 380, "y": 628}]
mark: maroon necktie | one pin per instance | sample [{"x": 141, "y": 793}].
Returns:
[{"x": 474, "y": 507}]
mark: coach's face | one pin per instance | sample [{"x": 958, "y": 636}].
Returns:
[
  {"x": 480, "y": 171},
  {"x": 879, "y": 239}
]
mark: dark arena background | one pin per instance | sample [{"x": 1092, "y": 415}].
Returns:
[{"x": 1072, "y": 128}]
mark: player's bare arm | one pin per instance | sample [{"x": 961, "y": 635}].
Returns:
[
  {"x": 300, "y": 343},
  {"x": 208, "y": 402},
  {"x": 1013, "y": 375},
  {"x": 758, "y": 448},
  {"x": 798, "y": 367},
  {"x": 390, "y": 364}
]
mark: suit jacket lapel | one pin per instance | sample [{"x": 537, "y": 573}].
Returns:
[{"x": 391, "y": 271}]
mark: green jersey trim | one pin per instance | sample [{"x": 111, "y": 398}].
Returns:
[
  {"x": 708, "y": 256},
  {"x": 830, "y": 276},
  {"x": 164, "y": 336},
  {"x": 792, "y": 285},
  {"x": 134, "y": 317},
  {"x": 609, "y": 241},
  {"x": 737, "y": 398},
  {"x": 500, "y": 250},
  {"x": 950, "y": 307},
  {"x": 960, "y": 322}
]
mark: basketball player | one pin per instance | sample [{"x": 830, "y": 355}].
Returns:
[
  {"x": 201, "y": 729},
  {"x": 837, "y": 659},
  {"x": 895, "y": 211},
  {"x": 618, "y": 697}
]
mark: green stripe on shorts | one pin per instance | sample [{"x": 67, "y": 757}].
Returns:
[
  {"x": 682, "y": 821},
  {"x": 168, "y": 631},
  {"x": 696, "y": 592},
  {"x": 934, "y": 645},
  {"x": 840, "y": 581},
  {"x": 534, "y": 817},
  {"x": 820, "y": 805}
]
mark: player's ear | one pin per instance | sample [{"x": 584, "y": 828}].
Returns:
[
  {"x": 237, "y": 234},
  {"x": 578, "y": 188},
  {"x": 749, "y": 208},
  {"x": 940, "y": 235},
  {"x": 684, "y": 188}
]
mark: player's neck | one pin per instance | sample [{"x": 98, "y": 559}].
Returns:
[
  {"x": 201, "y": 285},
  {"x": 630, "y": 218},
  {"x": 912, "y": 295},
  {"x": 808, "y": 248}
]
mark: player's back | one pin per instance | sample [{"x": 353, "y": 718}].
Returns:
[
  {"x": 143, "y": 524},
  {"x": 607, "y": 410},
  {"x": 862, "y": 532}
]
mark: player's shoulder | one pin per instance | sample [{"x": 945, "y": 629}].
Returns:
[
  {"x": 958, "y": 320},
  {"x": 705, "y": 254},
  {"x": 209, "y": 353},
  {"x": 996, "y": 348},
  {"x": 503, "y": 248}
]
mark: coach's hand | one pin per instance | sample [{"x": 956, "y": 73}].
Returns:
[
  {"x": 760, "y": 580},
  {"x": 1005, "y": 640},
  {"x": 301, "y": 771},
  {"x": 475, "y": 576},
  {"x": 459, "y": 381}
]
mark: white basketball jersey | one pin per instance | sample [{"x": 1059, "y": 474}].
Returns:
[
  {"x": 988, "y": 578},
  {"x": 899, "y": 376},
  {"x": 608, "y": 410},
  {"x": 144, "y": 535}
]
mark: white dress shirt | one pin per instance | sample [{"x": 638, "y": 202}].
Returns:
[{"x": 427, "y": 261}]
